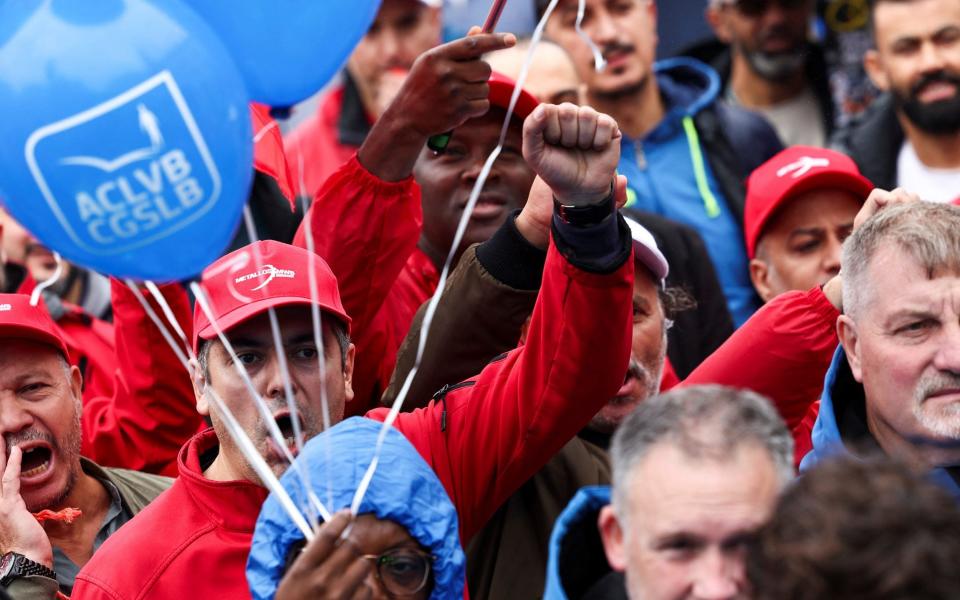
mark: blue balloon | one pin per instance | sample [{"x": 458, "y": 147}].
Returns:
[
  {"x": 125, "y": 140},
  {"x": 288, "y": 50}
]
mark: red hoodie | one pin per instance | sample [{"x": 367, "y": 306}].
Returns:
[{"x": 484, "y": 439}]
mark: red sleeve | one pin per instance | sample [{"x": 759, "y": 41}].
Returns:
[
  {"x": 485, "y": 440},
  {"x": 152, "y": 411},
  {"x": 365, "y": 228},
  {"x": 782, "y": 352}
]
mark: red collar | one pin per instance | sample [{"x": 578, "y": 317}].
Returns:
[{"x": 232, "y": 505}]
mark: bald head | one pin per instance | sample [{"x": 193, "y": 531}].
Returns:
[{"x": 552, "y": 77}]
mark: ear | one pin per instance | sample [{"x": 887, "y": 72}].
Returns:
[
  {"x": 850, "y": 340},
  {"x": 76, "y": 382},
  {"x": 759, "y": 276},
  {"x": 200, "y": 384},
  {"x": 716, "y": 21},
  {"x": 348, "y": 373},
  {"x": 873, "y": 65},
  {"x": 612, "y": 535}
]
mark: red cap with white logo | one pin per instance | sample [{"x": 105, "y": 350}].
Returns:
[
  {"x": 793, "y": 171},
  {"x": 21, "y": 320},
  {"x": 259, "y": 276}
]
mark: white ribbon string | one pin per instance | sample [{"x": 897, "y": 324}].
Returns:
[
  {"x": 599, "y": 63},
  {"x": 316, "y": 317},
  {"x": 461, "y": 229},
  {"x": 35, "y": 296}
]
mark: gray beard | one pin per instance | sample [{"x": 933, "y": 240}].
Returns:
[{"x": 776, "y": 68}]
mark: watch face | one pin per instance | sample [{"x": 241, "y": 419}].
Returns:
[{"x": 6, "y": 563}]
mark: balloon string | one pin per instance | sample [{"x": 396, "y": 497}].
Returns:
[
  {"x": 264, "y": 130},
  {"x": 233, "y": 427},
  {"x": 35, "y": 296},
  {"x": 599, "y": 63},
  {"x": 461, "y": 229},
  {"x": 316, "y": 317}
]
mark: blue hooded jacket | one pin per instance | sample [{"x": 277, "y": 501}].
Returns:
[
  {"x": 404, "y": 490},
  {"x": 842, "y": 400},
  {"x": 577, "y": 561},
  {"x": 666, "y": 177}
]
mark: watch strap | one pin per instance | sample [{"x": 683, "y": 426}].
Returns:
[
  {"x": 586, "y": 216},
  {"x": 15, "y": 565}
]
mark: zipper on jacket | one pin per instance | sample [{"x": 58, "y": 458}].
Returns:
[
  {"x": 441, "y": 395},
  {"x": 641, "y": 157}
]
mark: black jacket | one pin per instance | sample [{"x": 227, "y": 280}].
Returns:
[
  {"x": 873, "y": 141},
  {"x": 719, "y": 56}
]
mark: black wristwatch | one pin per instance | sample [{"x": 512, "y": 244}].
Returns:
[
  {"x": 13, "y": 566},
  {"x": 585, "y": 216}
]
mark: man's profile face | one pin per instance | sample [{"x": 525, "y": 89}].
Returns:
[
  {"x": 684, "y": 532},
  {"x": 649, "y": 348},
  {"x": 253, "y": 343},
  {"x": 904, "y": 346},
  {"x": 800, "y": 246},
  {"x": 917, "y": 58},
  {"x": 401, "y": 31},
  {"x": 40, "y": 413},
  {"x": 770, "y": 34},
  {"x": 447, "y": 179},
  {"x": 624, "y": 30}
]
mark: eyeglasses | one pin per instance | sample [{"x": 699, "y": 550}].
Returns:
[
  {"x": 404, "y": 571},
  {"x": 755, "y": 8}
]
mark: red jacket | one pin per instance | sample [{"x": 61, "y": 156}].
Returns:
[
  {"x": 483, "y": 440},
  {"x": 315, "y": 145},
  {"x": 783, "y": 353},
  {"x": 151, "y": 412}
]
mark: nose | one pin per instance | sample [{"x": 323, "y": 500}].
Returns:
[
  {"x": 947, "y": 357},
  {"x": 931, "y": 58},
  {"x": 274, "y": 375},
  {"x": 831, "y": 257},
  {"x": 389, "y": 48},
  {"x": 604, "y": 30},
  {"x": 720, "y": 577},
  {"x": 13, "y": 416},
  {"x": 472, "y": 171}
]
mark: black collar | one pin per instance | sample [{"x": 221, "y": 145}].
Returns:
[{"x": 353, "y": 125}]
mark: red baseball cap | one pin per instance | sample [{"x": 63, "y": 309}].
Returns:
[
  {"x": 263, "y": 275},
  {"x": 21, "y": 320},
  {"x": 793, "y": 171},
  {"x": 501, "y": 90}
]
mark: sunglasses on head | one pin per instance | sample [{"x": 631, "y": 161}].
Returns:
[{"x": 755, "y": 8}]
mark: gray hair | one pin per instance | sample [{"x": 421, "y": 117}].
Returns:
[
  {"x": 929, "y": 233},
  {"x": 706, "y": 422}
]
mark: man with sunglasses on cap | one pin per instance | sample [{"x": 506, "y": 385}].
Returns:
[
  {"x": 770, "y": 66},
  {"x": 483, "y": 440}
]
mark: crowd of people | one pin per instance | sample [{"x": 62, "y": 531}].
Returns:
[{"x": 698, "y": 336}]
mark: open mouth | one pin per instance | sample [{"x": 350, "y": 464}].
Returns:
[
  {"x": 36, "y": 461},
  {"x": 285, "y": 423}
]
